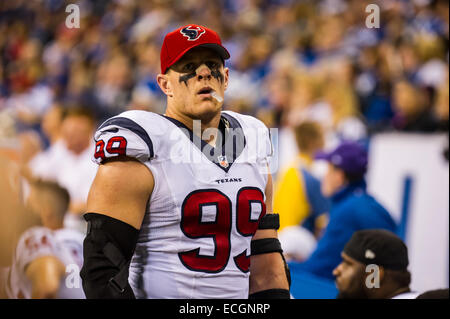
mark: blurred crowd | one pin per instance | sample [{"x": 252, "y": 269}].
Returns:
[
  {"x": 289, "y": 59},
  {"x": 291, "y": 62}
]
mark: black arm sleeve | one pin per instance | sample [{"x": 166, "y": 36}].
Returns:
[{"x": 107, "y": 250}]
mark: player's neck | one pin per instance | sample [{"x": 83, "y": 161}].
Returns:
[
  {"x": 195, "y": 124},
  {"x": 54, "y": 137},
  {"x": 52, "y": 223}
]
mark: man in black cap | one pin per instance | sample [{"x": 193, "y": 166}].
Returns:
[{"x": 374, "y": 266}]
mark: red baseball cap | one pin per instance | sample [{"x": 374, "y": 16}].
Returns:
[{"x": 180, "y": 41}]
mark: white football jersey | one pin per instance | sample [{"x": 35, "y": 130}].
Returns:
[
  {"x": 64, "y": 244},
  {"x": 194, "y": 241}
]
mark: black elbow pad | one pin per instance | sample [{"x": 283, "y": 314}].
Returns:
[{"x": 107, "y": 249}]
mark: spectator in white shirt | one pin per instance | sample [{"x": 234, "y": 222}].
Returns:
[
  {"x": 68, "y": 160},
  {"x": 41, "y": 166},
  {"x": 76, "y": 171}
]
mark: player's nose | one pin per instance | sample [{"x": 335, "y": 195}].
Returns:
[{"x": 203, "y": 72}]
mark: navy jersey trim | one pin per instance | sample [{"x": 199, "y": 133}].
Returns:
[
  {"x": 132, "y": 126},
  {"x": 238, "y": 140}
]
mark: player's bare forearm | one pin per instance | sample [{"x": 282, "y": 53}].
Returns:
[
  {"x": 45, "y": 274},
  {"x": 267, "y": 271}
]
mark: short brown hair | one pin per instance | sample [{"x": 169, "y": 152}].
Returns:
[
  {"x": 309, "y": 136},
  {"x": 54, "y": 189},
  {"x": 77, "y": 110}
]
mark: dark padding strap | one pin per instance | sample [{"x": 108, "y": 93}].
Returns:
[
  {"x": 266, "y": 245},
  {"x": 269, "y": 221},
  {"x": 271, "y": 294},
  {"x": 120, "y": 280}
]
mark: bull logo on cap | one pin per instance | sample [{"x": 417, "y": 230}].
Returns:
[{"x": 192, "y": 33}]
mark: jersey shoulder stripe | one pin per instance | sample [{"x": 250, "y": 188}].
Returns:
[
  {"x": 131, "y": 125},
  {"x": 135, "y": 134}
]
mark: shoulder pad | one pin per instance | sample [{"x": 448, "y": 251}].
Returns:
[
  {"x": 125, "y": 134},
  {"x": 256, "y": 132}
]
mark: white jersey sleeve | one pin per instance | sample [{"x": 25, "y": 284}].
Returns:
[
  {"x": 34, "y": 243},
  {"x": 123, "y": 135}
]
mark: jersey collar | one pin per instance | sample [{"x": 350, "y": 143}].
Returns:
[{"x": 230, "y": 147}]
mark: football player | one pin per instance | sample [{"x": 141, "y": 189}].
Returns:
[
  {"x": 48, "y": 258},
  {"x": 181, "y": 206}
]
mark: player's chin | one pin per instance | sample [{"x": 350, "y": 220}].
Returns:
[{"x": 207, "y": 108}]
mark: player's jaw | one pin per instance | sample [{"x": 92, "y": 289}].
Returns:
[{"x": 204, "y": 107}]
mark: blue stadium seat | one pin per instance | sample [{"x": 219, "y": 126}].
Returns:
[{"x": 307, "y": 286}]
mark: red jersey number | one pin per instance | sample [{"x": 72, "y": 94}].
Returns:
[
  {"x": 116, "y": 145},
  {"x": 197, "y": 223}
]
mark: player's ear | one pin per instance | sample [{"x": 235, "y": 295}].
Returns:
[
  {"x": 226, "y": 71},
  {"x": 163, "y": 82}
]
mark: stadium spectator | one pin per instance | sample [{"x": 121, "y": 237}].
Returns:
[
  {"x": 51, "y": 123},
  {"x": 43, "y": 164},
  {"x": 352, "y": 208},
  {"x": 76, "y": 171},
  {"x": 68, "y": 159},
  {"x": 374, "y": 266},
  {"x": 117, "y": 48},
  {"x": 412, "y": 112},
  {"x": 297, "y": 196}
]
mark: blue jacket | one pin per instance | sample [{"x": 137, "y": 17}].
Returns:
[{"x": 352, "y": 209}]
